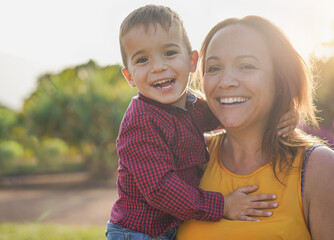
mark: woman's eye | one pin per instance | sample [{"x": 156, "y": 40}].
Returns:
[
  {"x": 141, "y": 60},
  {"x": 247, "y": 67},
  {"x": 170, "y": 53},
  {"x": 213, "y": 69}
]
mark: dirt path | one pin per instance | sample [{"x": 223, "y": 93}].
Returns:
[{"x": 63, "y": 199}]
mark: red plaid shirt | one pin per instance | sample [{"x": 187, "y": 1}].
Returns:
[{"x": 161, "y": 148}]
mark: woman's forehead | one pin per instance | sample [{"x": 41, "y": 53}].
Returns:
[{"x": 236, "y": 40}]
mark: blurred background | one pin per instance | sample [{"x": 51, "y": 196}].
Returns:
[{"x": 62, "y": 98}]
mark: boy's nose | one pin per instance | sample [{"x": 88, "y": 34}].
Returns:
[{"x": 158, "y": 66}]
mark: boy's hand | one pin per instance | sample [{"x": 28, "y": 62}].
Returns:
[
  {"x": 288, "y": 123},
  {"x": 240, "y": 206}
]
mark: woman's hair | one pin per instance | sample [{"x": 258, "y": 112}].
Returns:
[
  {"x": 151, "y": 14},
  {"x": 293, "y": 86}
]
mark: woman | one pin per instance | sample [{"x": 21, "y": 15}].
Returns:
[{"x": 251, "y": 74}]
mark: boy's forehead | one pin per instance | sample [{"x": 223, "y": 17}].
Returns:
[
  {"x": 141, "y": 31},
  {"x": 151, "y": 27}
]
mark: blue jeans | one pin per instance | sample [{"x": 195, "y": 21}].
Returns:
[{"x": 115, "y": 232}]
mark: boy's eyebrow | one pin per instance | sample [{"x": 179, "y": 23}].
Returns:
[
  {"x": 172, "y": 45},
  {"x": 165, "y": 46},
  {"x": 137, "y": 53}
]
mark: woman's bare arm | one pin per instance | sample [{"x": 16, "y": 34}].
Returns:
[{"x": 319, "y": 193}]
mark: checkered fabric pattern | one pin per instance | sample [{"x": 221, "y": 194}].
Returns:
[{"x": 161, "y": 149}]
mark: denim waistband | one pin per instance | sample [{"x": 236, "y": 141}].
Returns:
[{"x": 168, "y": 235}]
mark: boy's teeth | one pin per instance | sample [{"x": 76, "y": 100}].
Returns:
[
  {"x": 162, "y": 83},
  {"x": 233, "y": 100}
]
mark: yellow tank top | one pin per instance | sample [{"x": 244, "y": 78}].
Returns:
[{"x": 287, "y": 221}]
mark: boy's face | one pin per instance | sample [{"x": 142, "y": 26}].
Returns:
[{"x": 158, "y": 63}]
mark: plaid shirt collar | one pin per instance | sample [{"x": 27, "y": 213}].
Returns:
[{"x": 190, "y": 100}]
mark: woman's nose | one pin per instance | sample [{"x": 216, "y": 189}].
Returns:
[{"x": 228, "y": 79}]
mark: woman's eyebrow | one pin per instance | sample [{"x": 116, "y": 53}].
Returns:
[
  {"x": 247, "y": 56},
  {"x": 212, "y": 58}
]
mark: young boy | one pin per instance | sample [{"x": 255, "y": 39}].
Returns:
[{"x": 160, "y": 143}]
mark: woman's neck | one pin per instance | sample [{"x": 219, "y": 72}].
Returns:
[{"x": 241, "y": 152}]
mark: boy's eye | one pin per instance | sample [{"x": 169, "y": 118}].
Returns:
[
  {"x": 170, "y": 53},
  {"x": 141, "y": 60}
]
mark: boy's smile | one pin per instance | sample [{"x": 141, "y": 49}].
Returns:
[
  {"x": 158, "y": 63},
  {"x": 164, "y": 83}
]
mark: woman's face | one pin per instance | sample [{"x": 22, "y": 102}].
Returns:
[{"x": 238, "y": 78}]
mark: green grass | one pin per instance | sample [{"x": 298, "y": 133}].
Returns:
[{"x": 37, "y": 231}]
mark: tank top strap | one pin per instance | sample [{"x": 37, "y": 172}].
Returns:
[{"x": 305, "y": 160}]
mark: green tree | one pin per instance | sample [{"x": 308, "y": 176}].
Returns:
[
  {"x": 84, "y": 107},
  {"x": 323, "y": 70},
  {"x": 10, "y": 151},
  {"x": 8, "y": 120},
  {"x": 324, "y": 92}
]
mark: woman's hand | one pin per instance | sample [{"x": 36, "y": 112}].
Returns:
[{"x": 240, "y": 206}]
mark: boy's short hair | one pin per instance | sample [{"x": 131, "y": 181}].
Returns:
[{"x": 151, "y": 14}]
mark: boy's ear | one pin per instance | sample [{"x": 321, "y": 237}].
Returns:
[
  {"x": 128, "y": 77},
  {"x": 193, "y": 60}
]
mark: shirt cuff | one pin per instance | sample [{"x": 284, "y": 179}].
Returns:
[{"x": 215, "y": 207}]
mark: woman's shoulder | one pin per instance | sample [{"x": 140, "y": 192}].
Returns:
[
  {"x": 319, "y": 171},
  {"x": 319, "y": 194},
  {"x": 321, "y": 159}
]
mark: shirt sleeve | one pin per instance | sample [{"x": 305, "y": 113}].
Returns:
[
  {"x": 142, "y": 148},
  {"x": 203, "y": 116}
]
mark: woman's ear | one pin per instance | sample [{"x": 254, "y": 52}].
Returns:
[{"x": 128, "y": 77}]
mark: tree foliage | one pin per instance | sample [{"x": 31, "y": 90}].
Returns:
[
  {"x": 325, "y": 90},
  {"x": 323, "y": 71},
  {"x": 9, "y": 152},
  {"x": 8, "y": 120},
  {"x": 84, "y": 107}
]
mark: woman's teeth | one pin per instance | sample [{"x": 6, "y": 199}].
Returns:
[{"x": 233, "y": 100}]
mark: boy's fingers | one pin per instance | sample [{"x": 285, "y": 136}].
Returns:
[
  {"x": 291, "y": 121},
  {"x": 247, "y": 218},
  {"x": 263, "y": 205},
  {"x": 258, "y": 213},
  {"x": 283, "y": 124},
  {"x": 248, "y": 189},
  {"x": 284, "y": 132},
  {"x": 262, "y": 197},
  {"x": 287, "y": 116}
]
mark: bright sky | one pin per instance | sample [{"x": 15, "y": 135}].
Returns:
[{"x": 39, "y": 36}]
